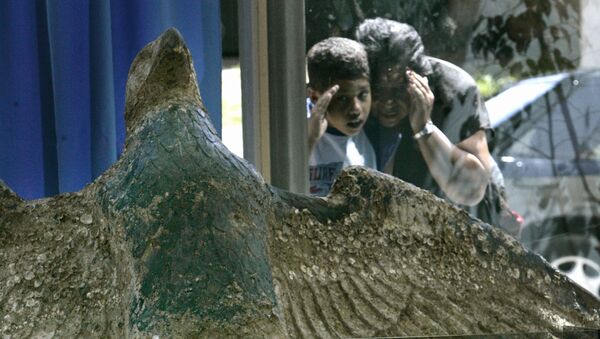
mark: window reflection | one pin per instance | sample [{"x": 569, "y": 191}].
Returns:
[{"x": 535, "y": 63}]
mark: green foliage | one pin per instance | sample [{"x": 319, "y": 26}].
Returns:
[
  {"x": 525, "y": 38},
  {"x": 541, "y": 25},
  {"x": 489, "y": 85},
  {"x": 325, "y": 18}
]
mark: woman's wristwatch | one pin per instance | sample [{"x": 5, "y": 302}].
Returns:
[{"x": 427, "y": 129}]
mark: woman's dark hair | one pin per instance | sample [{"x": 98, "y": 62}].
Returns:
[
  {"x": 388, "y": 41},
  {"x": 336, "y": 59}
]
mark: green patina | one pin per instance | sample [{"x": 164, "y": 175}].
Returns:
[{"x": 196, "y": 235}]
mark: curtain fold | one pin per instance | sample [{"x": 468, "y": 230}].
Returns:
[
  {"x": 64, "y": 69},
  {"x": 102, "y": 91}
]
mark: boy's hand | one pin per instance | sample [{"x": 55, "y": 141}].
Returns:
[
  {"x": 317, "y": 123},
  {"x": 421, "y": 100}
]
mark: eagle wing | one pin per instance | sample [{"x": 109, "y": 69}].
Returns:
[{"x": 388, "y": 259}]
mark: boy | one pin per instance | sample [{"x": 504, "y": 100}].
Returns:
[{"x": 340, "y": 101}]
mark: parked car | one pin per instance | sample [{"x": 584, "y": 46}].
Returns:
[{"x": 547, "y": 144}]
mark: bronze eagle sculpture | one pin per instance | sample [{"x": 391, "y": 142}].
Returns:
[{"x": 181, "y": 238}]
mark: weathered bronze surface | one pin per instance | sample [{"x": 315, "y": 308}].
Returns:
[{"x": 181, "y": 238}]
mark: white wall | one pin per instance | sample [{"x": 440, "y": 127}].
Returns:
[{"x": 590, "y": 34}]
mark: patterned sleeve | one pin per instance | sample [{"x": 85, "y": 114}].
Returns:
[
  {"x": 459, "y": 110},
  {"x": 477, "y": 113}
]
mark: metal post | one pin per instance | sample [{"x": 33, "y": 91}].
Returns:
[
  {"x": 287, "y": 95},
  {"x": 252, "y": 16}
]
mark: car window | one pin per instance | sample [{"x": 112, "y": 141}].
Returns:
[{"x": 562, "y": 123}]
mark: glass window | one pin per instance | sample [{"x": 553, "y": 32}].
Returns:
[{"x": 536, "y": 67}]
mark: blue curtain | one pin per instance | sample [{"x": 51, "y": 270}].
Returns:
[{"x": 63, "y": 71}]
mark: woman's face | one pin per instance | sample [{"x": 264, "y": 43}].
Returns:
[{"x": 390, "y": 95}]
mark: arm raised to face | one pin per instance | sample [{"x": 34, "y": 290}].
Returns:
[{"x": 461, "y": 170}]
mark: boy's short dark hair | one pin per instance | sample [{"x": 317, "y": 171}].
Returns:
[{"x": 335, "y": 59}]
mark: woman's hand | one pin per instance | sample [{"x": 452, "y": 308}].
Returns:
[{"x": 421, "y": 100}]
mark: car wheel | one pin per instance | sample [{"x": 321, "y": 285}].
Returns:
[{"x": 577, "y": 257}]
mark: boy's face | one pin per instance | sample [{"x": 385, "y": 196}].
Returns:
[
  {"x": 390, "y": 95},
  {"x": 349, "y": 108}
]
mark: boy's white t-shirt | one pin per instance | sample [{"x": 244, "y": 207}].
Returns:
[{"x": 334, "y": 152}]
